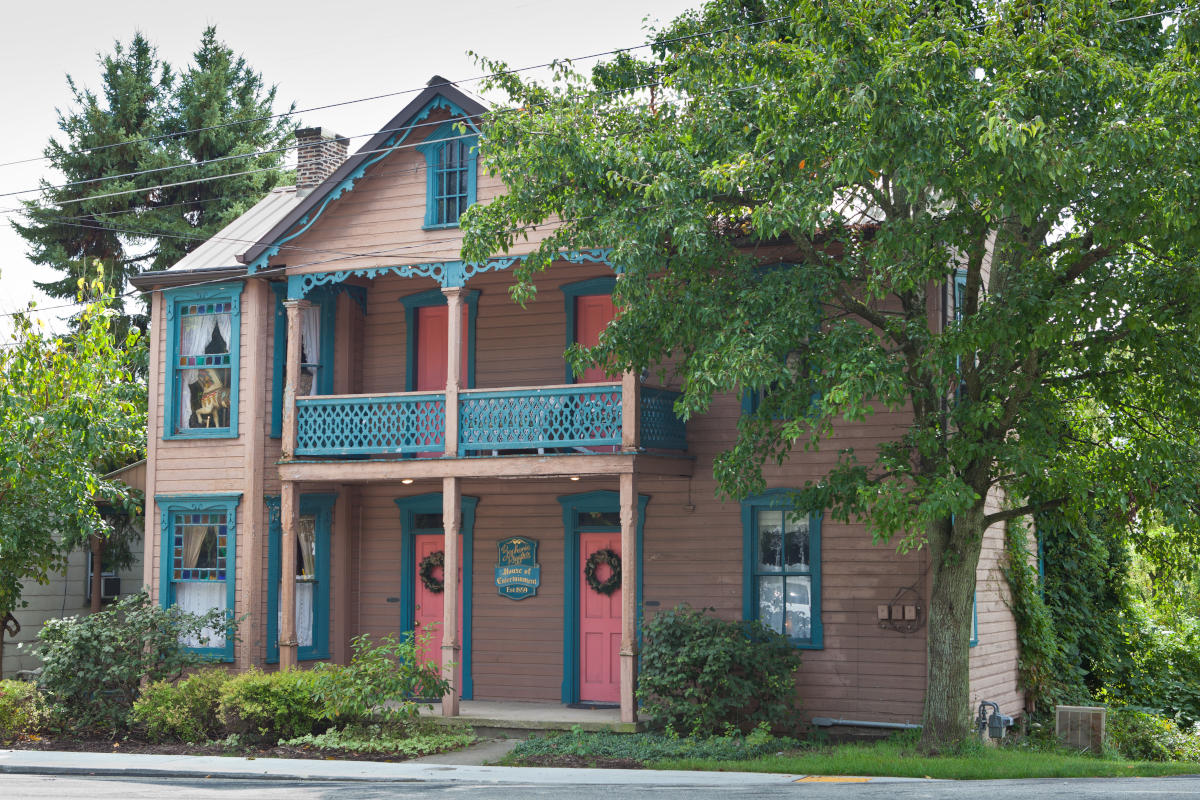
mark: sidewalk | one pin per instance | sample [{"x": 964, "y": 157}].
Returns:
[{"x": 38, "y": 762}]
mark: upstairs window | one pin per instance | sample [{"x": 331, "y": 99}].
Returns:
[
  {"x": 202, "y": 379},
  {"x": 450, "y": 162}
]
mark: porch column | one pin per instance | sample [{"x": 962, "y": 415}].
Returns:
[
  {"x": 454, "y": 340},
  {"x": 631, "y": 406},
  {"x": 289, "y": 511},
  {"x": 452, "y": 526},
  {"x": 292, "y": 376},
  {"x": 629, "y": 610}
]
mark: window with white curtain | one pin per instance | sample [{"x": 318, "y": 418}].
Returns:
[
  {"x": 199, "y": 537},
  {"x": 202, "y": 377},
  {"x": 311, "y": 577}
]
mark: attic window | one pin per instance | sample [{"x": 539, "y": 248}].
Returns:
[{"x": 450, "y": 162}]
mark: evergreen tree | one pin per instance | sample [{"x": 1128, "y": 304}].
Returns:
[{"x": 148, "y": 117}]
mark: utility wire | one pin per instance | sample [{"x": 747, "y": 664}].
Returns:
[{"x": 416, "y": 90}]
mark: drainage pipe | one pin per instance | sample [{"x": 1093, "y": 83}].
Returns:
[{"x": 827, "y": 722}]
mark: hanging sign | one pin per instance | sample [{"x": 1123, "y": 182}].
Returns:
[{"x": 518, "y": 574}]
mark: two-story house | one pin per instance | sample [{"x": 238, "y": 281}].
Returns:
[{"x": 353, "y": 431}]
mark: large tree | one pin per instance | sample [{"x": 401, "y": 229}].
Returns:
[
  {"x": 1036, "y": 160},
  {"x": 71, "y": 410},
  {"x": 172, "y": 126}
]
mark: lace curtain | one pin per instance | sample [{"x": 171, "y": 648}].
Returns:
[
  {"x": 310, "y": 345},
  {"x": 200, "y": 597}
]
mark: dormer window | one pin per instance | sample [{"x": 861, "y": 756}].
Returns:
[{"x": 450, "y": 161}]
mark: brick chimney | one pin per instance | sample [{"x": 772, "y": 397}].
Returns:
[{"x": 319, "y": 152}]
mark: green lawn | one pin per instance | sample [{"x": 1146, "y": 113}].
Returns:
[
  {"x": 897, "y": 756},
  {"x": 900, "y": 760}
]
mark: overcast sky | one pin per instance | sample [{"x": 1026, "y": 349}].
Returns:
[{"x": 316, "y": 52}]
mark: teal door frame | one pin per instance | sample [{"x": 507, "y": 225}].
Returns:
[
  {"x": 572, "y": 504},
  {"x": 431, "y": 503}
]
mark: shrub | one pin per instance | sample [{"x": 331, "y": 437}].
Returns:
[
  {"x": 93, "y": 665},
  {"x": 380, "y": 680},
  {"x": 407, "y": 741},
  {"x": 21, "y": 709},
  {"x": 704, "y": 675},
  {"x": 1143, "y": 736},
  {"x": 185, "y": 711},
  {"x": 264, "y": 707},
  {"x": 650, "y": 747}
]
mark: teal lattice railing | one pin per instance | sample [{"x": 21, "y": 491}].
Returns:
[
  {"x": 661, "y": 429},
  {"x": 555, "y": 417},
  {"x": 349, "y": 425}
]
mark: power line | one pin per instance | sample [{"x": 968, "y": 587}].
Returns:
[{"x": 401, "y": 92}]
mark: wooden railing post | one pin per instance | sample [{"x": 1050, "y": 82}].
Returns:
[
  {"x": 291, "y": 377},
  {"x": 629, "y": 609},
  {"x": 452, "y": 527},
  {"x": 454, "y": 340}
]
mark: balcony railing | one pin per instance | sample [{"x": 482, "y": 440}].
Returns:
[
  {"x": 370, "y": 424},
  {"x": 555, "y": 419}
]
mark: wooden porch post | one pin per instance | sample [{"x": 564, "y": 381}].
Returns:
[
  {"x": 631, "y": 405},
  {"x": 452, "y": 526},
  {"x": 289, "y": 509},
  {"x": 629, "y": 610},
  {"x": 454, "y": 340},
  {"x": 292, "y": 376}
]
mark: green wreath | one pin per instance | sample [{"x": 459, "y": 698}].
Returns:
[
  {"x": 425, "y": 569},
  {"x": 604, "y": 556}
]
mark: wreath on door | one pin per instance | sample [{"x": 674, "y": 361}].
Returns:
[
  {"x": 604, "y": 556},
  {"x": 426, "y": 570}
]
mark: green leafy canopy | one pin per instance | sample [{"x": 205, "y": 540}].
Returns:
[
  {"x": 71, "y": 411},
  {"x": 1047, "y": 152}
]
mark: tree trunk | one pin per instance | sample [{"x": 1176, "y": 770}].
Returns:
[
  {"x": 954, "y": 554},
  {"x": 97, "y": 567}
]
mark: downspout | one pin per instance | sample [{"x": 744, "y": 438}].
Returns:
[{"x": 827, "y": 722}]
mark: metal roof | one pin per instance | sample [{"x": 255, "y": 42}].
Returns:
[{"x": 223, "y": 249}]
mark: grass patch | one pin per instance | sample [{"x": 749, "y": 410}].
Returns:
[{"x": 896, "y": 757}]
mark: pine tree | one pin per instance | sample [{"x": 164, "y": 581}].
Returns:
[{"x": 148, "y": 117}]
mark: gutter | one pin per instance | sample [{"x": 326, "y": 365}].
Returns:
[{"x": 147, "y": 281}]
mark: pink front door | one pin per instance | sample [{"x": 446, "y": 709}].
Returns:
[
  {"x": 592, "y": 315},
  {"x": 599, "y": 626},
  {"x": 429, "y": 611},
  {"x": 432, "y": 347}
]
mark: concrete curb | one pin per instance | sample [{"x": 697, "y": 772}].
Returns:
[{"x": 41, "y": 762}]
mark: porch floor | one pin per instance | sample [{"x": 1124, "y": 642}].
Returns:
[{"x": 514, "y": 715}]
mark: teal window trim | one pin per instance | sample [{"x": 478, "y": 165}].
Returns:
[
  {"x": 774, "y": 499},
  {"x": 169, "y": 505},
  {"x": 434, "y": 297},
  {"x": 571, "y": 292},
  {"x": 447, "y": 134},
  {"x": 431, "y": 503},
  {"x": 326, "y": 300},
  {"x": 321, "y": 507},
  {"x": 173, "y": 300},
  {"x": 572, "y": 504}
]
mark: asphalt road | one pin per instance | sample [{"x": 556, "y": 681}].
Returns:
[{"x": 45, "y": 787}]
